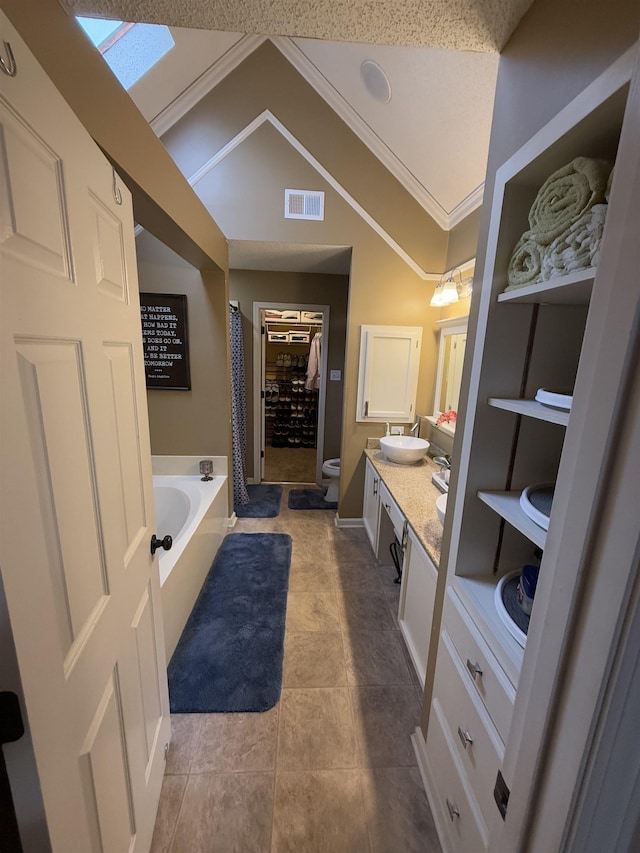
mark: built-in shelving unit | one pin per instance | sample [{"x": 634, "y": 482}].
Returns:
[
  {"x": 531, "y": 409},
  {"x": 572, "y": 289},
  {"x": 507, "y": 506},
  {"x": 544, "y": 335}
]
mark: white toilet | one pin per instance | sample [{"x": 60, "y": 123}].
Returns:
[{"x": 331, "y": 469}]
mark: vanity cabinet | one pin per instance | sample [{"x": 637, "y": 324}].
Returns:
[
  {"x": 417, "y": 595},
  {"x": 371, "y": 503},
  {"x": 492, "y": 689}
]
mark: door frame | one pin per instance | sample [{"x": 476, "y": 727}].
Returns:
[{"x": 258, "y": 373}]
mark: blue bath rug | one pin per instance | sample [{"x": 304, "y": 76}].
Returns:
[
  {"x": 264, "y": 502},
  {"x": 229, "y": 657},
  {"x": 310, "y": 499}
]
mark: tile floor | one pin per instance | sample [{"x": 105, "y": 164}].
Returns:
[{"x": 331, "y": 767}]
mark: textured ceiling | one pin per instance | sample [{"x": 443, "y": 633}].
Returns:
[
  {"x": 475, "y": 25},
  {"x": 289, "y": 257}
]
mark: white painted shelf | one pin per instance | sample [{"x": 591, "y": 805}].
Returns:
[
  {"x": 531, "y": 409},
  {"x": 572, "y": 289},
  {"x": 507, "y": 505}
]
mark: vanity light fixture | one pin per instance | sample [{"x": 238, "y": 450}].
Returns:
[{"x": 448, "y": 290}]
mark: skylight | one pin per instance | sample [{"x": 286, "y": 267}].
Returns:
[{"x": 130, "y": 50}]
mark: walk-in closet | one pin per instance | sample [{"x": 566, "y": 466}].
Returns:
[{"x": 292, "y": 392}]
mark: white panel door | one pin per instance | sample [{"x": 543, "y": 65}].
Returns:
[{"x": 76, "y": 496}]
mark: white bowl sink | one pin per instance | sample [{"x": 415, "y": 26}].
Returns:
[
  {"x": 441, "y": 508},
  {"x": 403, "y": 449}
]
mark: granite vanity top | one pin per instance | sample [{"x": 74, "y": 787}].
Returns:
[{"x": 412, "y": 489}]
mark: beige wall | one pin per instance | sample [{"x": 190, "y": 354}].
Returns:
[
  {"x": 245, "y": 193},
  {"x": 556, "y": 51},
  {"x": 249, "y": 286},
  {"x": 195, "y": 422},
  {"x": 163, "y": 201},
  {"x": 463, "y": 240}
]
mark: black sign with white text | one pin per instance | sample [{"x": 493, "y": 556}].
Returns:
[{"x": 165, "y": 340}]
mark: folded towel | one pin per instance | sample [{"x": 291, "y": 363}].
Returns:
[
  {"x": 578, "y": 248},
  {"x": 566, "y": 195},
  {"x": 525, "y": 266},
  {"x": 607, "y": 192}
]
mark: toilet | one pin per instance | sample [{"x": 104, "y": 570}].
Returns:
[{"x": 331, "y": 469}]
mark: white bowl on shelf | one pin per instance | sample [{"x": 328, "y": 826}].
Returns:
[
  {"x": 403, "y": 449},
  {"x": 441, "y": 507}
]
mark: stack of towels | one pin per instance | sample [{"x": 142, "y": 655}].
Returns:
[{"x": 566, "y": 222}]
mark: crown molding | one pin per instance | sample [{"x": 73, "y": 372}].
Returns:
[
  {"x": 267, "y": 116},
  {"x": 244, "y": 47},
  {"x": 466, "y": 206},
  {"x": 207, "y": 81},
  {"x": 358, "y": 125}
]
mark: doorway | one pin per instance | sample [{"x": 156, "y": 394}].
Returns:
[{"x": 290, "y": 367}]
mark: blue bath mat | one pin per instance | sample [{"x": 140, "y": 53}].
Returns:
[
  {"x": 229, "y": 657},
  {"x": 310, "y": 499},
  {"x": 264, "y": 502}
]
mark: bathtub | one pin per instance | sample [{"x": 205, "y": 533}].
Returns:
[{"x": 194, "y": 513}]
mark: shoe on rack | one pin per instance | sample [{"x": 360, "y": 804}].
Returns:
[
  {"x": 280, "y": 359},
  {"x": 275, "y": 392}
]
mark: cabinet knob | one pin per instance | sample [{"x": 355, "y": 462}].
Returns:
[
  {"x": 452, "y": 809},
  {"x": 465, "y": 737},
  {"x": 474, "y": 669}
]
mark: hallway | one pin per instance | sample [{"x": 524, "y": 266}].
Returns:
[{"x": 331, "y": 766}]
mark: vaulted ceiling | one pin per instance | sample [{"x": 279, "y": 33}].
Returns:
[{"x": 439, "y": 58}]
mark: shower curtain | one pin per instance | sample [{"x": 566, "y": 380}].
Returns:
[{"x": 238, "y": 408}]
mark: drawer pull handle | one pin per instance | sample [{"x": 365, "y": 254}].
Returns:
[
  {"x": 465, "y": 737},
  {"x": 453, "y": 810},
  {"x": 474, "y": 669}
]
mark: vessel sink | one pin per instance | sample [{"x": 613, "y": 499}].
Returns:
[
  {"x": 441, "y": 508},
  {"x": 403, "y": 449}
]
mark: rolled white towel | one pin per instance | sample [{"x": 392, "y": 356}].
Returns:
[
  {"x": 525, "y": 266},
  {"x": 578, "y": 248}
]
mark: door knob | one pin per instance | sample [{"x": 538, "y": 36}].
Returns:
[{"x": 156, "y": 543}]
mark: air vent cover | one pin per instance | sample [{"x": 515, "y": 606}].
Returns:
[{"x": 303, "y": 204}]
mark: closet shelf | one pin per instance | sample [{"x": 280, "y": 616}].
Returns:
[
  {"x": 572, "y": 289},
  {"x": 507, "y": 506},
  {"x": 531, "y": 409}
]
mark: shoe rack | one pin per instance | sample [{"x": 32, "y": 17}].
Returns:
[{"x": 291, "y": 410}]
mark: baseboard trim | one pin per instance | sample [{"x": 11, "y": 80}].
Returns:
[
  {"x": 231, "y": 521},
  {"x": 348, "y": 522}
]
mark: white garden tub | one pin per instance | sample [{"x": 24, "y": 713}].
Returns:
[{"x": 194, "y": 513}]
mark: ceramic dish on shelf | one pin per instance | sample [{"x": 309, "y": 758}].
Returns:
[
  {"x": 555, "y": 399},
  {"x": 506, "y": 603},
  {"x": 536, "y": 501}
]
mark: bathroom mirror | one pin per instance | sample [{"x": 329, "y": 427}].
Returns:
[{"x": 453, "y": 339}]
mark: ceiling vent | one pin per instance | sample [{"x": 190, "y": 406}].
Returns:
[{"x": 303, "y": 204}]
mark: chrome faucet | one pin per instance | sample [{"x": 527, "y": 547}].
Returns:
[{"x": 415, "y": 427}]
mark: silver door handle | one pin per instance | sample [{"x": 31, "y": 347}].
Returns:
[
  {"x": 465, "y": 737},
  {"x": 474, "y": 669}
]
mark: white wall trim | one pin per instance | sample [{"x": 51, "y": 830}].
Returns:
[
  {"x": 267, "y": 116},
  {"x": 207, "y": 81},
  {"x": 420, "y": 749},
  {"x": 290, "y": 50},
  {"x": 348, "y": 522},
  {"x": 244, "y": 47}
]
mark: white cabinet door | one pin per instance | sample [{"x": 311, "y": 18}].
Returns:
[
  {"x": 388, "y": 373},
  {"x": 81, "y": 586},
  {"x": 415, "y": 614},
  {"x": 371, "y": 504}
]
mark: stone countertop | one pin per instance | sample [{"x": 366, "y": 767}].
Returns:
[{"x": 412, "y": 489}]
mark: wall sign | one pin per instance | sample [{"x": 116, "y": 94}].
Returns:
[{"x": 165, "y": 340}]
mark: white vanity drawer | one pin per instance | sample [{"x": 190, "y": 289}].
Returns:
[
  {"x": 481, "y": 668},
  {"x": 476, "y": 740},
  {"x": 457, "y": 812},
  {"x": 388, "y": 503}
]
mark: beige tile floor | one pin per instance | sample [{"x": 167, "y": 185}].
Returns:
[{"x": 330, "y": 768}]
